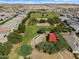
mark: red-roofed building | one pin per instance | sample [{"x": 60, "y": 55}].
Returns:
[{"x": 52, "y": 37}]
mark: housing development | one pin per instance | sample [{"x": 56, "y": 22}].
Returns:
[{"x": 39, "y": 31}]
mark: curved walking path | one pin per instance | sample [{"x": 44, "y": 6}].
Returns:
[
  {"x": 37, "y": 39},
  {"x": 12, "y": 55}
]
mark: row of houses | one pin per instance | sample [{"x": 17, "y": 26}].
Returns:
[
  {"x": 9, "y": 26},
  {"x": 74, "y": 24},
  {"x": 72, "y": 39}
]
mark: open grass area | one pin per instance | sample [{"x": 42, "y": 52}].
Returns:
[
  {"x": 42, "y": 15},
  {"x": 51, "y": 15},
  {"x": 30, "y": 33},
  {"x": 36, "y": 15}
]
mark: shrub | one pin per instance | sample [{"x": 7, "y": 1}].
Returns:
[
  {"x": 24, "y": 20},
  {"x": 21, "y": 28},
  {"x": 42, "y": 21},
  {"x": 50, "y": 48},
  {"x": 54, "y": 20},
  {"x": 14, "y": 37},
  {"x": 5, "y": 48},
  {"x": 77, "y": 34},
  {"x": 43, "y": 30},
  {"x": 32, "y": 21},
  {"x": 25, "y": 50},
  {"x": 47, "y": 47}
]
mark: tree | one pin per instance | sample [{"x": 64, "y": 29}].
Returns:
[
  {"x": 50, "y": 48},
  {"x": 42, "y": 21},
  {"x": 21, "y": 28},
  {"x": 33, "y": 21},
  {"x": 53, "y": 20},
  {"x": 64, "y": 44},
  {"x": 47, "y": 47},
  {"x": 4, "y": 57},
  {"x": 5, "y": 50},
  {"x": 28, "y": 15},
  {"x": 50, "y": 21},
  {"x": 43, "y": 30},
  {"x": 25, "y": 50},
  {"x": 24, "y": 20},
  {"x": 77, "y": 34},
  {"x": 14, "y": 37}
]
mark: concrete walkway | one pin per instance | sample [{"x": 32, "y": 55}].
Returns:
[{"x": 37, "y": 39}]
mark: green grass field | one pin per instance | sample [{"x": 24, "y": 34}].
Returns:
[
  {"x": 43, "y": 15},
  {"x": 30, "y": 33},
  {"x": 36, "y": 15}
]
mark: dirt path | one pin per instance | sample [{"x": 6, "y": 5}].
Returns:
[
  {"x": 60, "y": 55},
  {"x": 11, "y": 55}
]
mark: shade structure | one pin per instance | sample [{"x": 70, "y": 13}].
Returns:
[{"x": 52, "y": 37}]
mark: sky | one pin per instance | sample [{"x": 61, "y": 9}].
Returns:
[{"x": 39, "y": 1}]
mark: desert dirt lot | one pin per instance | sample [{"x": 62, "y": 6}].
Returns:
[{"x": 61, "y": 55}]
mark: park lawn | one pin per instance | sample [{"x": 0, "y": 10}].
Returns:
[
  {"x": 51, "y": 15},
  {"x": 35, "y": 15},
  {"x": 31, "y": 31},
  {"x": 43, "y": 15}
]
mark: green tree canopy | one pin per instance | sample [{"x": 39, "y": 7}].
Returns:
[
  {"x": 14, "y": 37},
  {"x": 25, "y": 50},
  {"x": 5, "y": 48},
  {"x": 47, "y": 47},
  {"x": 21, "y": 27}
]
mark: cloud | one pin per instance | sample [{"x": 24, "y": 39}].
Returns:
[
  {"x": 20, "y": 2},
  {"x": 39, "y": 1}
]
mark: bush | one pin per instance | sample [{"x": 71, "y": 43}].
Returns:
[
  {"x": 53, "y": 21},
  {"x": 24, "y": 20},
  {"x": 25, "y": 50},
  {"x": 14, "y": 37},
  {"x": 5, "y": 49},
  {"x": 32, "y": 21},
  {"x": 43, "y": 30},
  {"x": 4, "y": 57},
  {"x": 21, "y": 28},
  {"x": 77, "y": 34},
  {"x": 47, "y": 47},
  {"x": 62, "y": 27},
  {"x": 42, "y": 21},
  {"x": 61, "y": 44},
  {"x": 50, "y": 48}
]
